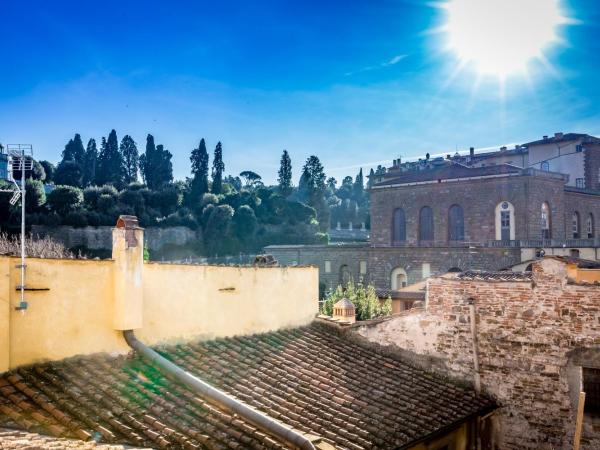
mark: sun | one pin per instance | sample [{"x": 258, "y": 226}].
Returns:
[{"x": 501, "y": 37}]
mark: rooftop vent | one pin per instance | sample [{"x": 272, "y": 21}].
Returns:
[
  {"x": 545, "y": 137},
  {"x": 344, "y": 311},
  {"x": 558, "y": 135}
]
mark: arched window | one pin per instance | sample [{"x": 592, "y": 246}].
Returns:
[
  {"x": 545, "y": 221},
  {"x": 575, "y": 225},
  {"x": 505, "y": 221},
  {"x": 345, "y": 275},
  {"x": 398, "y": 278},
  {"x": 456, "y": 223},
  {"x": 399, "y": 226},
  {"x": 589, "y": 226},
  {"x": 426, "y": 224}
]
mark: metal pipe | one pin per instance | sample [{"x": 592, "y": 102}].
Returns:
[
  {"x": 220, "y": 398},
  {"x": 474, "y": 340}
]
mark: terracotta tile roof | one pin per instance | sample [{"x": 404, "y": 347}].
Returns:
[
  {"x": 312, "y": 378},
  {"x": 507, "y": 275},
  {"x": 23, "y": 440}
]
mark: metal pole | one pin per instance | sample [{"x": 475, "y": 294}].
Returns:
[{"x": 22, "y": 227}]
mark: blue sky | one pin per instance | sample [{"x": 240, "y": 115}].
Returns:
[{"x": 356, "y": 83}]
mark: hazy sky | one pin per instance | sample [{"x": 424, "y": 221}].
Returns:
[{"x": 355, "y": 82}]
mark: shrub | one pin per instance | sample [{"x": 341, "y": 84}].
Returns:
[
  {"x": 106, "y": 203},
  {"x": 244, "y": 222},
  {"x": 364, "y": 298},
  {"x": 90, "y": 196},
  {"x": 68, "y": 173},
  {"x": 76, "y": 219},
  {"x": 209, "y": 199},
  {"x": 64, "y": 199},
  {"x": 51, "y": 220},
  {"x": 36, "y": 196}
]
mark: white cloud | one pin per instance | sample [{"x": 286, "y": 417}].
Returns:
[{"x": 395, "y": 60}]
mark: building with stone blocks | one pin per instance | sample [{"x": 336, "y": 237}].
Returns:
[
  {"x": 470, "y": 212},
  {"x": 537, "y": 342}
]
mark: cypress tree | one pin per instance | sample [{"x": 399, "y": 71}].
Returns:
[
  {"x": 74, "y": 150},
  {"x": 285, "y": 174},
  {"x": 199, "y": 160},
  {"x": 358, "y": 189},
  {"x": 110, "y": 162},
  {"x": 90, "y": 159},
  {"x": 155, "y": 165},
  {"x": 217, "y": 170},
  {"x": 147, "y": 166},
  {"x": 130, "y": 158}
]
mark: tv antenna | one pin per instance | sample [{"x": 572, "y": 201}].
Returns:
[{"x": 19, "y": 158}]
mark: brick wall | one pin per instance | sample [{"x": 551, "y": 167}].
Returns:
[
  {"x": 533, "y": 337},
  {"x": 478, "y": 199}
]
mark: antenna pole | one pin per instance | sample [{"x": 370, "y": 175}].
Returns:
[{"x": 23, "y": 226}]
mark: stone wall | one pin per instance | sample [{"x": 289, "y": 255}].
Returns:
[
  {"x": 380, "y": 262},
  {"x": 98, "y": 238},
  {"x": 533, "y": 337}
]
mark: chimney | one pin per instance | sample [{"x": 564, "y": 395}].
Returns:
[
  {"x": 128, "y": 256},
  {"x": 472, "y": 152},
  {"x": 545, "y": 137},
  {"x": 503, "y": 149},
  {"x": 344, "y": 311},
  {"x": 558, "y": 135}
]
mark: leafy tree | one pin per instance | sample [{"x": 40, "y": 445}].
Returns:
[
  {"x": 36, "y": 196},
  {"x": 284, "y": 178},
  {"x": 218, "y": 168},
  {"x": 130, "y": 158},
  {"x": 217, "y": 227},
  {"x": 234, "y": 182},
  {"x": 251, "y": 178},
  {"x": 48, "y": 170},
  {"x": 90, "y": 159},
  {"x": 68, "y": 173},
  {"x": 199, "y": 160},
  {"x": 359, "y": 187},
  {"x": 64, "y": 199},
  {"x": 155, "y": 165},
  {"x": 312, "y": 189},
  {"x": 110, "y": 168},
  {"x": 74, "y": 150},
  {"x": 331, "y": 183},
  {"x": 365, "y": 300},
  {"x": 244, "y": 222},
  {"x": 37, "y": 172}
]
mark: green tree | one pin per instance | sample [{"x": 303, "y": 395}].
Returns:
[
  {"x": 216, "y": 228},
  {"x": 90, "y": 159},
  {"x": 49, "y": 170},
  {"x": 199, "y": 160},
  {"x": 36, "y": 196},
  {"x": 68, "y": 173},
  {"x": 110, "y": 168},
  {"x": 218, "y": 168},
  {"x": 251, "y": 179},
  {"x": 37, "y": 172},
  {"x": 155, "y": 165},
  {"x": 244, "y": 223},
  {"x": 312, "y": 190},
  {"x": 64, "y": 199},
  {"x": 365, "y": 300},
  {"x": 359, "y": 187},
  {"x": 130, "y": 158},
  {"x": 74, "y": 150},
  {"x": 284, "y": 178}
]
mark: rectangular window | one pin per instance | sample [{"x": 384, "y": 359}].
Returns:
[
  {"x": 363, "y": 267},
  {"x": 580, "y": 183},
  {"x": 327, "y": 266},
  {"x": 426, "y": 270}
]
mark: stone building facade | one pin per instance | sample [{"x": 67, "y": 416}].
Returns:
[
  {"x": 537, "y": 345},
  {"x": 456, "y": 217}
]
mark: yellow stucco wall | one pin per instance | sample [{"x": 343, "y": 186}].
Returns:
[
  {"x": 77, "y": 314},
  {"x": 214, "y": 301}
]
